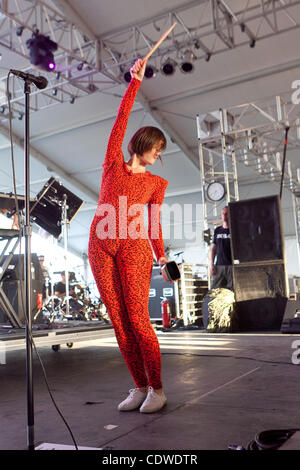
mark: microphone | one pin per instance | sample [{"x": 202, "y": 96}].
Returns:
[{"x": 40, "y": 82}]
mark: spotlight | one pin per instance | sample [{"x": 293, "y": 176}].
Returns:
[
  {"x": 150, "y": 71},
  {"x": 252, "y": 43},
  {"x": 72, "y": 100},
  {"x": 41, "y": 54},
  {"x": 188, "y": 58},
  {"x": 54, "y": 91},
  {"x": 207, "y": 56},
  {"x": 57, "y": 76},
  {"x": 20, "y": 117},
  {"x": 80, "y": 66},
  {"x": 92, "y": 87},
  {"x": 168, "y": 67},
  {"x": 2, "y": 109}
]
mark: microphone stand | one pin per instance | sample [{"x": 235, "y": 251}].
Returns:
[
  {"x": 64, "y": 223},
  {"x": 27, "y": 276}
]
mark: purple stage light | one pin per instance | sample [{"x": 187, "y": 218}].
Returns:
[{"x": 51, "y": 66}]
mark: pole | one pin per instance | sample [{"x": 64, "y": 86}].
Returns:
[
  {"x": 65, "y": 235},
  {"x": 27, "y": 277}
]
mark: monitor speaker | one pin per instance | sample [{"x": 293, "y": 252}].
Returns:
[{"x": 291, "y": 319}]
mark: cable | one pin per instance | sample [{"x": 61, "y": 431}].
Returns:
[
  {"x": 20, "y": 237},
  {"x": 270, "y": 439}
]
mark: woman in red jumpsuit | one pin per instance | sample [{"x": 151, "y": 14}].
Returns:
[{"x": 120, "y": 255}]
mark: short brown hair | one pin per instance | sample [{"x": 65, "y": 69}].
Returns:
[{"x": 145, "y": 139}]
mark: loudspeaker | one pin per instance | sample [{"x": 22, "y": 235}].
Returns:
[
  {"x": 14, "y": 291},
  {"x": 261, "y": 296},
  {"x": 260, "y": 314},
  {"x": 259, "y": 281},
  {"x": 15, "y": 269},
  {"x": 256, "y": 229},
  {"x": 160, "y": 288},
  {"x": 291, "y": 319}
]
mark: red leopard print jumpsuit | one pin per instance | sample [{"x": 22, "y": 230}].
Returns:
[{"x": 122, "y": 265}]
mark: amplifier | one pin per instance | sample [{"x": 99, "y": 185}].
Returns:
[
  {"x": 14, "y": 291},
  {"x": 15, "y": 269}
]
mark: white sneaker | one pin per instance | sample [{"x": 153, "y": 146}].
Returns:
[
  {"x": 154, "y": 402},
  {"x": 133, "y": 401}
]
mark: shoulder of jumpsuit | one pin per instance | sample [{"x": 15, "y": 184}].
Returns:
[{"x": 160, "y": 185}]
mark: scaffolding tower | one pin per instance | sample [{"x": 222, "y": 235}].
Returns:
[{"x": 253, "y": 134}]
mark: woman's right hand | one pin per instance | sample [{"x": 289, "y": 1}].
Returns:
[{"x": 138, "y": 69}]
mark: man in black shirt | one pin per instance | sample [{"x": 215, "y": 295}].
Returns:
[{"x": 221, "y": 271}]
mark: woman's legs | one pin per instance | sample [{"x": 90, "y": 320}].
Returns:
[
  {"x": 106, "y": 274},
  {"x": 135, "y": 261}
]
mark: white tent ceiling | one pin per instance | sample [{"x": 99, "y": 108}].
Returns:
[{"x": 69, "y": 140}]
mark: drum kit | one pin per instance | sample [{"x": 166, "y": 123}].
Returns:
[{"x": 78, "y": 306}]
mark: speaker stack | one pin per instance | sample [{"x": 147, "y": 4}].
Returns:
[{"x": 259, "y": 273}]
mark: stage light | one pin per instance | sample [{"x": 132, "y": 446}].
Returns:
[
  {"x": 54, "y": 92},
  {"x": 80, "y": 66},
  {"x": 150, "y": 71},
  {"x": 187, "y": 66},
  {"x": 72, "y": 100},
  {"x": 57, "y": 76},
  {"x": 41, "y": 54},
  {"x": 168, "y": 67},
  {"x": 92, "y": 87},
  {"x": 207, "y": 56},
  {"x": 20, "y": 117},
  {"x": 2, "y": 109},
  {"x": 252, "y": 43}
]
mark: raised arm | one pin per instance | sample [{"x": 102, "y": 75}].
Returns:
[
  {"x": 114, "y": 146},
  {"x": 154, "y": 225}
]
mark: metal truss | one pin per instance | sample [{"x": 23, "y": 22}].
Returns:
[
  {"x": 296, "y": 206},
  {"x": 86, "y": 63},
  {"x": 254, "y": 134},
  {"x": 78, "y": 59}
]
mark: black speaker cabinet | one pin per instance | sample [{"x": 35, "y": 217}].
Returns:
[
  {"x": 261, "y": 295},
  {"x": 256, "y": 229},
  {"x": 14, "y": 291},
  {"x": 259, "y": 281},
  {"x": 160, "y": 288},
  {"x": 291, "y": 319},
  {"x": 264, "y": 314}
]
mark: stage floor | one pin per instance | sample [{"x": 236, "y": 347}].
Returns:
[{"x": 222, "y": 389}]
